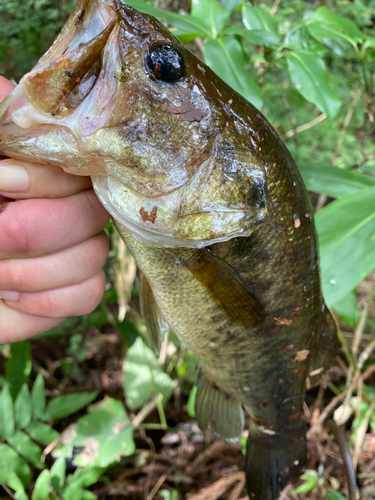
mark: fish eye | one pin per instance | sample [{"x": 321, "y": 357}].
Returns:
[{"x": 165, "y": 62}]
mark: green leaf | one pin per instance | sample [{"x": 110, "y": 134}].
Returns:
[
  {"x": 42, "y": 489},
  {"x": 255, "y": 18},
  {"x": 231, "y": 5},
  {"x": 211, "y": 13},
  {"x": 84, "y": 477},
  {"x": 309, "y": 74},
  {"x": 226, "y": 58},
  {"x": 144, "y": 376},
  {"x": 18, "y": 366},
  {"x": 6, "y": 413},
  {"x": 102, "y": 436},
  {"x": 23, "y": 408},
  {"x": 339, "y": 43},
  {"x": 343, "y": 24},
  {"x": 10, "y": 461},
  {"x": 346, "y": 308},
  {"x": 42, "y": 433},
  {"x": 256, "y": 37},
  {"x": 191, "y": 402},
  {"x": 333, "y": 181},
  {"x": 38, "y": 397},
  {"x": 346, "y": 230},
  {"x": 27, "y": 448},
  {"x": 187, "y": 24},
  {"x": 67, "y": 404},
  {"x": 310, "y": 478},
  {"x": 334, "y": 495},
  {"x": 299, "y": 39},
  {"x": 13, "y": 481},
  {"x": 58, "y": 474}
]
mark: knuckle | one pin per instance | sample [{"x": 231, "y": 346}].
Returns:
[
  {"x": 95, "y": 290},
  {"x": 17, "y": 233}
]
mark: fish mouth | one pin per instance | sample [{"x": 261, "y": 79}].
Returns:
[{"x": 52, "y": 93}]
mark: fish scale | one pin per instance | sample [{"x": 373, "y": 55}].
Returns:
[{"x": 210, "y": 203}]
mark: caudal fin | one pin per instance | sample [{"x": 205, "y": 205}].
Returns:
[{"x": 272, "y": 461}]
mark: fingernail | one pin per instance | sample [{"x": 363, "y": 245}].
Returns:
[
  {"x": 13, "y": 178},
  {"x": 8, "y": 295}
]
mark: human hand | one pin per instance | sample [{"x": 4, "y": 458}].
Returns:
[{"x": 52, "y": 246}]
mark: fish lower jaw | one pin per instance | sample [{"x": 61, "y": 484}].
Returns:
[{"x": 142, "y": 233}]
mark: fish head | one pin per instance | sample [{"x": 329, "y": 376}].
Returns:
[{"x": 119, "y": 98}]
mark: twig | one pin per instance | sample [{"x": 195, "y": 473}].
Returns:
[
  {"x": 275, "y": 8},
  {"x": 338, "y": 432},
  {"x": 304, "y": 127},
  {"x": 361, "y": 432},
  {"x": 155, "y": 489},
  {"x": 357, "y": 95},
  {"x": 8, "y": 491}
]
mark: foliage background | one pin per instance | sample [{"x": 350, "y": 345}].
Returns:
[{"x": 310, "y": 67}]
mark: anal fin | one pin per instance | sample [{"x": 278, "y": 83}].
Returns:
[
  {"x": 226, "y": 288},
  {"x": 217, "y": 411},
  {"x": 151, "y": 314}
]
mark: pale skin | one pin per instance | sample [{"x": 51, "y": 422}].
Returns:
[{"x": 52, "y": 247}]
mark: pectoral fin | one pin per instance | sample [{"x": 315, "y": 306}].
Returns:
[
  {"x": 217, "y": 411},
  {"x": 151, "y": 314},
  {"x": 227, "y": 289}
]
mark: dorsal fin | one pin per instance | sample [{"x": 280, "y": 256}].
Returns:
[
  {"x": 217, "y": 411},
  {"x": 151, "y": 314},
  {"x": 226, "y": 288}
]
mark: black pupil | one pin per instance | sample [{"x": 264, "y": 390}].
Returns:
[{"x": 165, "y": 63}]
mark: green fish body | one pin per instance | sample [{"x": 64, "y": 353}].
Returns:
[{"x": 211, "y": 205}]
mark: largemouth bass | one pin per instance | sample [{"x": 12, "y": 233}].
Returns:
[{"x": 211, "y": 205}]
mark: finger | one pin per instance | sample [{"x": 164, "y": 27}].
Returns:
[
  {"x": 74, "y": 300},
  {"x": 16, "y": 325},
  {"x": 30, "y": 228},
  {"x": 69, "y": 267},
  {"x": 23, "y": 179},
  {"x": 6, "y": 87}
]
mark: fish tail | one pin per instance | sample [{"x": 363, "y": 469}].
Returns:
[{"x": 272, "y": 461}]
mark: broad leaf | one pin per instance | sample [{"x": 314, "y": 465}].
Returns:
[
  {"x": 42, "y": 433},
  {"x": 22, "y": 408},
  {"x": 38, "y": 398},
  {"x": 18, "y": 366},
  {"x": 27, "y": 448},
  {"x": 42, "y": 489},
  {"x": 212, "y": 15},
  {"x": 325, "y": 16},
  {"x": 309, "y": 74},
  {"x": 231, "y": 5},
  {"x": 10, "y": 461},
  {"x": 346, "y": 308},
  {"x": 299, "y": 39},
  {"x": 257, "y": 37},
  {"x": 333, "y": 181},
  {"x": 67, "y": 404},
  {"x": 13, "y": 481},
  {"x": 339, "y": 43},
  {"x": 255, "y": 18},
  {"x": 226, "y": 58},
  {"x": 187, "y": 24},
  {"x": 6, "y": 413},
  {"x": 334, "y": 495},
  {"x": 58, "y": 474},
  {"x": 143, "y": 376},
  {"x": 84, "y": 477},
  {"x": 102, "y": 436},
  {"x": 346, "y": 230}
]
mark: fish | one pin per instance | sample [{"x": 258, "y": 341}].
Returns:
[{"x": 211, "y": 205}]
